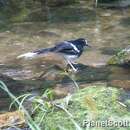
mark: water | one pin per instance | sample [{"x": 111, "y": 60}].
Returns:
[{"x": 105, "y": 30}]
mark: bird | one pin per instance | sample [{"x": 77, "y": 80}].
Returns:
[{"x": 69, "y": 49}]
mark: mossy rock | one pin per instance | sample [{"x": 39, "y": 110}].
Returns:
[
  {"x": 121, "y": 58},
  {"x": 113, "y": 3},
  {"x": 94, "y": 103}
]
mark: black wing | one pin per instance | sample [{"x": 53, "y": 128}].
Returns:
[{"x": 66, "y": 48}]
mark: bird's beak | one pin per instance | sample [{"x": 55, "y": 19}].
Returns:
[{"x": 89, "y": 46}]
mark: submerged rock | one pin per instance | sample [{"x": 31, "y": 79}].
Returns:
[{"x": 109, "y": 50}]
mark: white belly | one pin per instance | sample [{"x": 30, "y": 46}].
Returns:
[{"x": 71, "y": 58}]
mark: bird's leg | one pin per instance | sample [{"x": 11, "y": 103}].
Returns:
[
  {"x": 73, "y": 62},
  {"x": 74, "y": 69}
]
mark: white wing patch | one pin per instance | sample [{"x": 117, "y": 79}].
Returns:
[{"x": 75, "y": 48}]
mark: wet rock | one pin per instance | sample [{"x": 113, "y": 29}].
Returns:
[
  {"x": 17, "y": 87},
  {"x": 4, "y": 104},
  {"x": 113, "y": 3},
  {"x": 88, "y": 74},
  {"x": 85, "y": 74},
  {"x": 63, "y": 82},
  {"x": 15, "y": 118},
  {"x": 121, "y": 58},
  {"x": 125, "y": 84},
  {"x": 61, "y": 91}
]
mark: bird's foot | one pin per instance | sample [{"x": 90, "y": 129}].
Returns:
[
  {"x": 75, "y": 70},
  {"x": 71, "y": 69}
]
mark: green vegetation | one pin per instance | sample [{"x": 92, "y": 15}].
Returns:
[
  {"x": 122, "y": 57},
  {"x": 94, "y": 103},
  {"x": 19, "y": 105}
]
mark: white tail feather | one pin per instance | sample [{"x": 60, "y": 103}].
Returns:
[{"x": 27, "y": 55}]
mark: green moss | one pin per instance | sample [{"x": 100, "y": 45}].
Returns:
[
  {"x": 120, "y": 58},
  {"x": 97, "y": 103},
  {"x": 21, "y": 16}
]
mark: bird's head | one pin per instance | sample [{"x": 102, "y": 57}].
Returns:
[{"x": 83, "y": 42}]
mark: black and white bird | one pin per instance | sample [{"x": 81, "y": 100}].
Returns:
[{"x": 70, "y": 50}]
